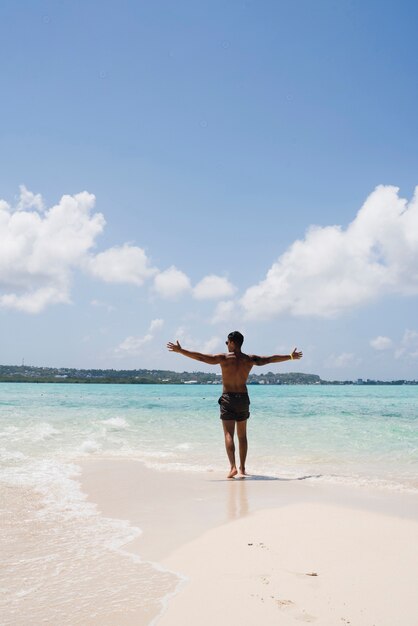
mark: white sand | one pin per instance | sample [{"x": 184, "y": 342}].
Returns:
[
  {"x": 362, "y": 544},
  {"x": 257, "y": 570}
]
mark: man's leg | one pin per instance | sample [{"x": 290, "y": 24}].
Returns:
[
  {"x": 229, "y": 429},
  {"x": 243, "y": 444}
]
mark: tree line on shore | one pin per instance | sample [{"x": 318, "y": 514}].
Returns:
[{"x": 26, "y": 373}]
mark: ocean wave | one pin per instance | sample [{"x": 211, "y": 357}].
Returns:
[
  {"x": 66, "y": 532},
  {"x": 43, "y": 431},
  {"x": 184, "y": 446},
  {"x": 90, "y": 446},
  {"x": 117, "y": 423},
  {"x": 10, "y": 455}
]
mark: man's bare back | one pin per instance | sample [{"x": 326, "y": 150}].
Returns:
[
  {"x": 234, "y": 402},
  {"x": 235, "y": 369}
]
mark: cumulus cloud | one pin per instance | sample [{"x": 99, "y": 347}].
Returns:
[
  {"x": 207, "y": 347},
  {"x": 223, "y": 312},
  {"x": 213, "y": 287},
  {"x": 381, "y": 343},
  {"x": 333, "y": 270},
  {"x": 408, "y": 346},
  {"x": 155, "y": 324},
  {"x": 342, "y": 360},
  {"x": 105, "y": 305},
  {"x": 171, "y": 283},
  {"x": 39, "y": 248},
  {"x": 121, "y": 264},
  {"x": 29, "y": 200},
  {"x": 133, "y": 345}
]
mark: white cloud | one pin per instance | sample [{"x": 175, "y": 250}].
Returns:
[
  {"x": 333, "y": 270},
  {"x": 223, "y": 312},
  {"x": 40, "y": 250},
  {"x": 99, "y": 303},
  {"x": 342, "y": 360},
  {"x": 133, "y": 345},
  {"x": 35, "y": 300},
  {"x": 381, "y": 343},
  {"x": 29, "y": 200},
  {"x": 207, "y": 347},
  {"x": 171, "y": 283},
  {"x": 155, "y": 325},
  {"x": 121, "y": 264},
  {"x": 213, "y": 287},
  {"x": 211, "y": 345},
  {"x": 408, "y": 346}
]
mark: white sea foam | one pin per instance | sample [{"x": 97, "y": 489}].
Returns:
[
  {"x": 9, "y": 430},
  {"x": 69, "y": 549},
  {"x": 90, "y": 446},
  {"x": 180, "y": 467},
  {"x": 155, "y": 454},
  {"x": 117, "y": 423},
  {"x": 10, "y": 455},
  {"x": 43, "y": 431},
  {"x": 368, "y": 482},
  {"x": 184, "y": 446}
]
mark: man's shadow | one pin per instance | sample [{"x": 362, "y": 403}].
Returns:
[{"x": 263, "y": 477}]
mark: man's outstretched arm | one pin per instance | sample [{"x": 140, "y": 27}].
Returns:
[
  {"x": 212, "y": 359},
  {"x": 277, "y": 358}
]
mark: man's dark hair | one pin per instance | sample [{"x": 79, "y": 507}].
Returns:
[{"x": 237, "y": 338}]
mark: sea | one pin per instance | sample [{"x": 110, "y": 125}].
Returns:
[{"x": 55, "y": 544}]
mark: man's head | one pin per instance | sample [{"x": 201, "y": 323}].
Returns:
[{"x": 235, "y": 340}]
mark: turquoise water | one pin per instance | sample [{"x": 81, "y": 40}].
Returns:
[
  {"x": 358, "y": 434},
  {"x": 57, "y": 545}
]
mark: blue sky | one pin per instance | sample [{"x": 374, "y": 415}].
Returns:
[{"x": 245, "y": 165}]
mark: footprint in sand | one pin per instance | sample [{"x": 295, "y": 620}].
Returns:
[
  {"x": 284, "y": 603},
  {"x": 301, "y": 617}
]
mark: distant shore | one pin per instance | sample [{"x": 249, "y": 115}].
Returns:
[{"x": 34, "y": 374}]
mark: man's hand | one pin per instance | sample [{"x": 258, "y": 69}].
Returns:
[
  {"x": 174, "y": 347},
  {"x": 296, "y": 355},
  {"x": 211, "y": 359}
]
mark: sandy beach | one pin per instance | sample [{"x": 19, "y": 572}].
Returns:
[{"x": 265, "y": 550}]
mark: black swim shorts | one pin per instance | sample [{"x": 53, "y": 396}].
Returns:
[{"x": 234, "y": 406}]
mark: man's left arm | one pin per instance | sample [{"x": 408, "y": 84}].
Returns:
[
  {"x": 277, "y": 358},
  {"x": 211, "y": 359}
]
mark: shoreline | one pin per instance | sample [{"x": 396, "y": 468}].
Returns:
[
  {"x": 132, "y": 381},
  {"x": 189, "y": 522}
]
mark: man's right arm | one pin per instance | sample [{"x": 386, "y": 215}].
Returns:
[
  {"x": 276, "y": 358},
  {"x": 211, "y": 359}
]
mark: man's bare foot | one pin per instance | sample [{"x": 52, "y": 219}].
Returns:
[
  {"x": 242, "y": 471},
  {"x": 233, "y": 472}
]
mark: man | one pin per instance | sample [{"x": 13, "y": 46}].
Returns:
[{"x": 234, "y": 402}]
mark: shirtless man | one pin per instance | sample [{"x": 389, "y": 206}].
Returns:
[{"x": 234, "y": 402}]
